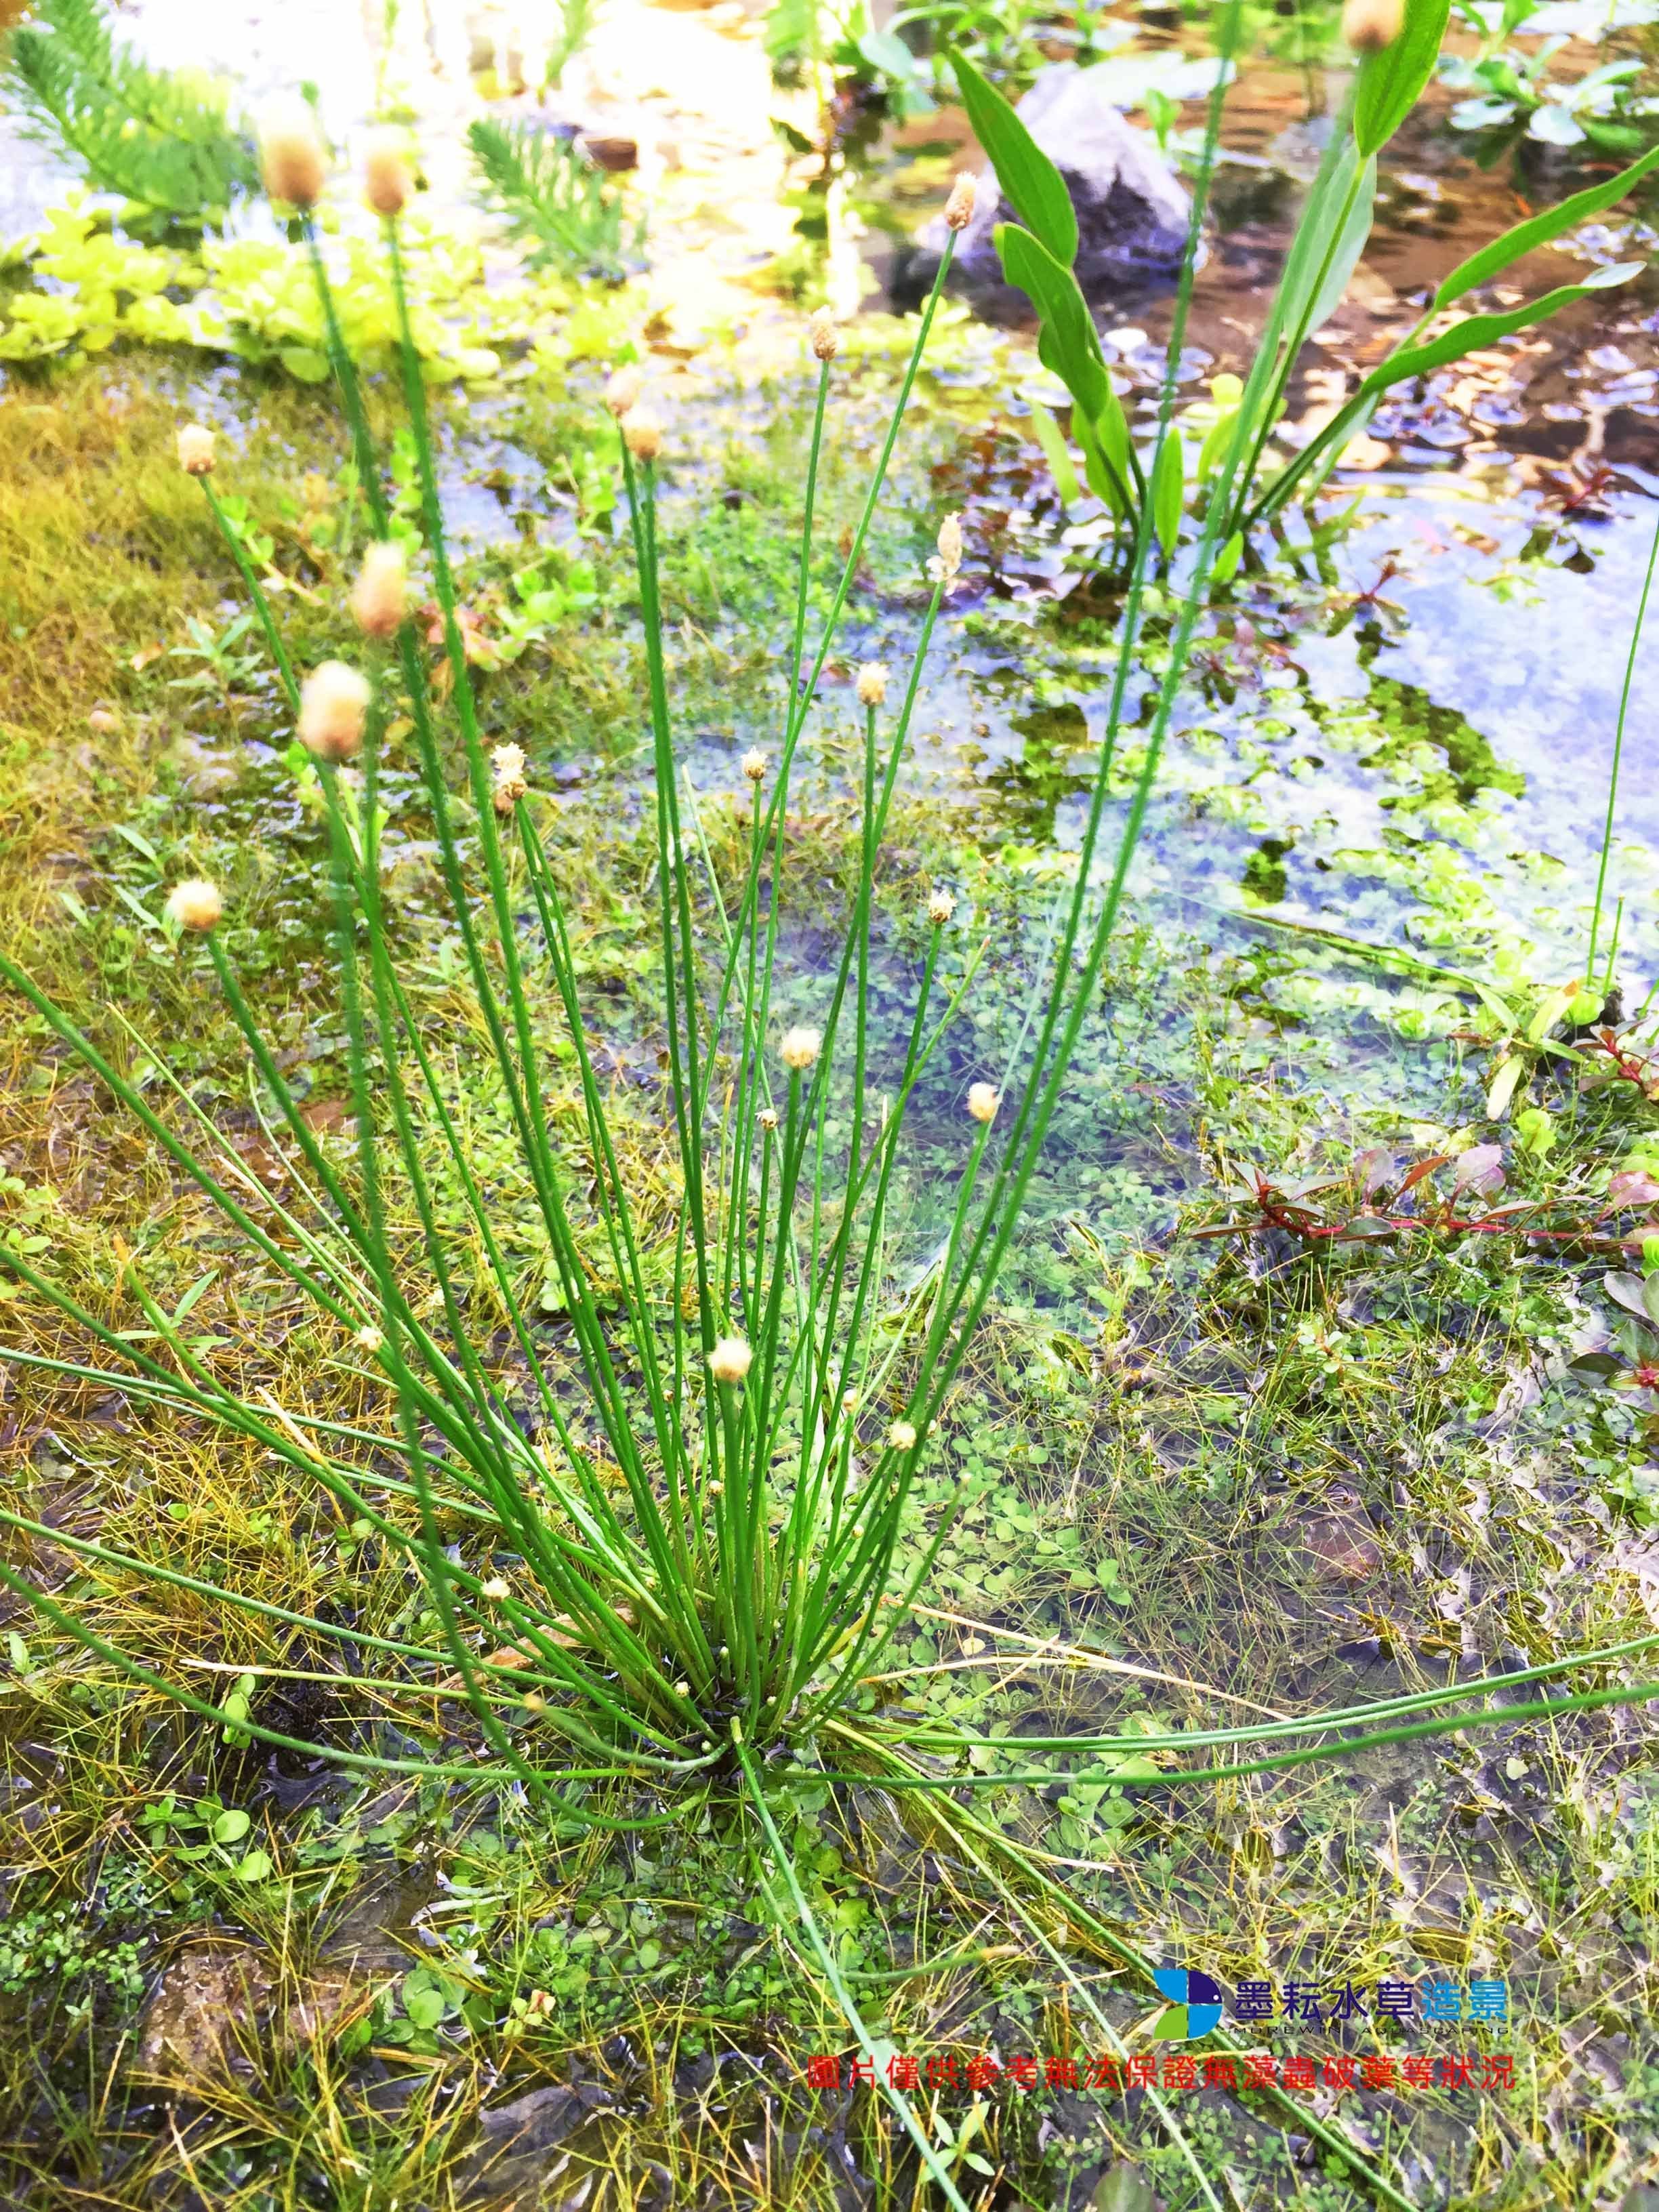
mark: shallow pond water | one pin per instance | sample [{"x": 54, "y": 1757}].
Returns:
[{"x": 1480, "y": 605}]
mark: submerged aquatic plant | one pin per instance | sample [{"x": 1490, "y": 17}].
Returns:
[{"x": 708, "y": 1500}]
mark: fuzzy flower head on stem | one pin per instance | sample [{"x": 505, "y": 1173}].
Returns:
[
  {"x": 768, "y": 1118},
  {"x": 388, "y": 181},
  {"x": 872, "y": 683},
  {"x": 194, "y": 904},
  {"x": 292, "y": 158},
  {"x": 799, "y": 1047},
  {"x": 754, "y": 764},
  {"x": 945, "y": 567},
  {"x": 333, "y": 705},
  {"x": 959, "y": 208},
  {"x": 368, "y": 1339},
  {"x": 380, "y": 594},
  {"x": 826, "y": 339},
  {"x": 983, "y": 1099},
  {"x": 1368, "y": 25},
  {"x": 622, "y": 391},
  {"x": 196, "y": 454},
  {"x": 901, "y": 1437},
  {"x": 642, "y": 433},
  {"x": 510, "y": 786},
  {"x": 729, "y": 1360},
  {"x": 940, "y": 906}
]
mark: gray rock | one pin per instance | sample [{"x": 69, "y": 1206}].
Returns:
[
  {"x": 1131, "y": 213},
  {"x": 517, "y": 2143}
]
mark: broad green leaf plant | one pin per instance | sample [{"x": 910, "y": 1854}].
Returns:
[
  {"x": 1234, "y": 474},
  {"x": 657, "y": 1593}
]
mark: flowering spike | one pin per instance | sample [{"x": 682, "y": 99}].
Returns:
[
  {"x": 196, "y": 453},
  {"x": 292, "y": 160},
  {"x": 194, "y": 904},
  {"x": 333, "y": 703},
  {"x": 643, "y": 432},
  {"x": 388, "y": 184},
  {"x": 1368, "y": 25},
  {"x": 729, "y": 1360},
  {"x": 378, "y": 596}
]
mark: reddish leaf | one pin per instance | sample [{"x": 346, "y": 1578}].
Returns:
[{"x": 1479, "y": 1169}]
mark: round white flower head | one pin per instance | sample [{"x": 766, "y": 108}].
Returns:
[
  {"x": 754, "y": 763},
  {"x": 872, "y": 683},
  {"x": 510, "y": 787},
  {"x": 729, "y": 1362},
  {"x": 623, "y": 389},
  {"x": 643, "y": 432},
  {"x": 959, "y": 208},
  {"x": 194, "y": 904},
  {"x": 849, "y": 1401},
  {"x": 388, "y": 181},
  {"x": 983, "y": 1099},
  {"x": 799, "y": 1047},
  {"x": 1368, "y": 26},
  {"x": 381, "y": 591},
  {"x": 901, "y": 1437},
  {"x": 768, "y": 1117},
  {"x": 103, "y": 721},
  {"x": 368, "y": 1337},
  {"x": 495, "y": 1588},
  {"x": 292, "y": 160},
  {"x": 196, "y": 454},
  {"x": 826, "y": 339},
  {"x": 333, "y": 702},
  {"x": 940, "y": 906},
  {"x": 950, "y": 550}
]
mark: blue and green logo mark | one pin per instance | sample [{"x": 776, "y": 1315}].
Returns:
[{"x": 1194, "y": 2006}]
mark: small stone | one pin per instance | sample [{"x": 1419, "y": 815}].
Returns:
[
  {"x": 1343, "y": 1549},
  {"x": 613, "y": 155},
  {"x": 209, "y": 1997}
]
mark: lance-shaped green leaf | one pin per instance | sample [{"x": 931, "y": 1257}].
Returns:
[
  {"x": 1350, "y": 243},
  {"x": 1327, "y": 243},
  {"x": 1068, "y": 344},
  {"x": 1463, "y": 337},
  {"x": 1030, "y": 183},
  {"x": 1052, "y": 439},
  {"x": 1538, "y": 230},
  {"x": 1106, "y": 469},
  {"x": 1391, "y": 80},
  {"x": 1473, "y": 331},
  {"x": 1169, "y": 481}
]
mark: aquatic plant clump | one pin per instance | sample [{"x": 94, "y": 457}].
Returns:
[
  {"x": 663, "y": 1549},
  {"x": 1236, "y": 480}
]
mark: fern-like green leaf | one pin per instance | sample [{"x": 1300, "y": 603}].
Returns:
[
  {"x": 162, "y": 138},
  {"x": 556, "y": 203}
]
